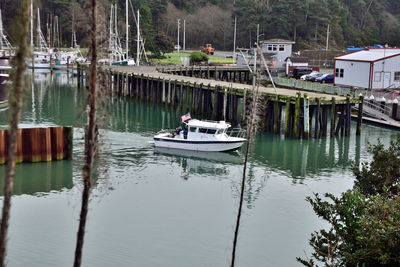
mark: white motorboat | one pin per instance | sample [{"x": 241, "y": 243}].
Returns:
[{"x": 202, "y": 135}]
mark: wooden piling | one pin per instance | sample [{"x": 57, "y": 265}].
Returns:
[
  {"x": 317, "y": 116},
  {"x": 333, "y": 117},
  {"x": 297, "y": 117},
  {"x": 276, "y": 116},
  {"x": 288, "y": 128},
  {"x": 306, "y": 112},
  {"x": 359, "y": 115},
  {"x": 348, "y": 116}
]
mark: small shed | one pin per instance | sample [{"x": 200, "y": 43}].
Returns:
[
  {"x": 371, "y": 68},
  {"x": 279, "y": 49},
  {"x": 292, "y": 62}
]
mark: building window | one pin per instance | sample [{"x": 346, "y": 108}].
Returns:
[
  {"x": 397, "y": 76},
  {"x": 272, "y": 47},
  {"x": 339, "y": 73},
  {"x": 377, "y": 76},
  {"x": 281, "y": 47}
]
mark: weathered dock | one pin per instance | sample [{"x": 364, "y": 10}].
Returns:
[
  {"x": 39, "y": 144},
  {"x": 307, "y": 114}
]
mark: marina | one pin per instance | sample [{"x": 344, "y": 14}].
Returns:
[
  {"x": 214, "y": 99},
  {"x": 193, "y": 194}
]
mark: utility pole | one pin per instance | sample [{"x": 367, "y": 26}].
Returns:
[
  {"x": 184, "y": 35},
  {"x": 179, "y": 23},
  {"x": 258, "y": 32},
  {"x": 327, "y": 38},
  {"x": 234, "y": 41}
]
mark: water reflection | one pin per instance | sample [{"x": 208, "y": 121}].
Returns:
[
  {"x": 200, "y": 163},
  {"x": 304, "y": 158},
  {"x": 38, "y": 178}
]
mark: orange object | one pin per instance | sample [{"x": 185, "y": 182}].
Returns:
[{"x": 208, "y": 49}]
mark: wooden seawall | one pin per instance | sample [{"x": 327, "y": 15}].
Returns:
[
  {"x": 39, "y": 144},
  {"x": 307, "y": 114}
]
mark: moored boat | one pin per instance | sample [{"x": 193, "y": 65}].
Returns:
[{"x": 201, "y": 135}]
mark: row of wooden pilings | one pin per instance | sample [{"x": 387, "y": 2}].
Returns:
[
  {"x": 305, "y": 117},
  {"x": 39, "y": 144},
  {"x": 240, "y": 75},
  {"x": 199, "y": 99}
]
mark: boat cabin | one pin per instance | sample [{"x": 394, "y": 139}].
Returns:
[{"x": 198, "y": 130}]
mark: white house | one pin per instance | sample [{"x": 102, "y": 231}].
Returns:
[
  {"x": 279, "y": 49},
  {"x": 371, "y": 68}
]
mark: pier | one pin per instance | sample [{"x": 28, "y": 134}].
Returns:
[{"x": 307, "y": 114}]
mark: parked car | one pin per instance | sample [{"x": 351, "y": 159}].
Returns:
[
  {"x": 304, "y": 77},
  {"x": 326, "y": 78},
  {"x": 313, "y": 76},
  {"x": 298, "y": 72}
]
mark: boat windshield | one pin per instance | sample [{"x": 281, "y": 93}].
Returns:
[
  {"x": 207, "y": 131},
  {"x": 220, "y": 131}
]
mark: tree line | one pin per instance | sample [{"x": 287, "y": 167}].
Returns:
[{"x": 351, "y": 22}]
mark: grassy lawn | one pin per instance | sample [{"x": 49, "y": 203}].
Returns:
[{"x": 175, "y": 59}]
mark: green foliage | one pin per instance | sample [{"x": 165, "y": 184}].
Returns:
[
  {"x": 198, "y": 56},
  {"x": 365, "y": 221},
  {"x": 382, "y": 175},
  {"x": 164, "y": 43}
]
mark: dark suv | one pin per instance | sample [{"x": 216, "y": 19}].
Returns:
[{"x": 298, "y": 72}]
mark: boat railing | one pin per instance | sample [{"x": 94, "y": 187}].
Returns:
[{"x": 236, "y": 132}]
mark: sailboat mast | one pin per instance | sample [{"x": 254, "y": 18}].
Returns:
[
  {"x": 38, "y": 30},
  {"x": 1, "y": 32},
  {"x": 138, "y": 40},
  {"x": 31, "y": 24},
  {"x": 127, "y": 29}
]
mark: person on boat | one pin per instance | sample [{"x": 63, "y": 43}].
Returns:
[
  {"x": 178, "y": 130},
  {"x": 185, "y": 132}
]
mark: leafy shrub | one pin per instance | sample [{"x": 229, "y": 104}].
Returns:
[{"x": 198, "y": 56}]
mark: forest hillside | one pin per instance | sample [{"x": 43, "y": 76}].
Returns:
[{"x": 351, "y": 22}]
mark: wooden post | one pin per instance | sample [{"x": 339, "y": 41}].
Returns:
[
  {"x": 276, "y": 115},
  {"x": 215, "y": 115},
  {"x": 3, "y": 146},
  {"x": 306, "y": 117},
  {"x": 297, "y": 116},
  {"x": 333, "y": 117},
  {"x": 348, "y": 116},
  {"x": 317, "y": 115},
  {"x": 45, "y": 144},
  {"x": 181, "y": 96},
  {"x": 288, "y": 128},
  {"x": 163, "y": 90},
  {"x": 359, "y": 115}
]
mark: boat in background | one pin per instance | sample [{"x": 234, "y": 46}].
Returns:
[{"x": 202, "y": 135}]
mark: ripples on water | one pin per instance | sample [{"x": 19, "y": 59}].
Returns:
[{"x": 165, "y": 207}]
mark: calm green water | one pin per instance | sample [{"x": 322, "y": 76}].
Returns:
[{"x": 155, "y": 207}]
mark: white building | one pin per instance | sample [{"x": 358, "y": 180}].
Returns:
[
  {"x": 371, "y": 68},
  {"x": 292, "y": 62},
  {"x": 278, "y": 49}
]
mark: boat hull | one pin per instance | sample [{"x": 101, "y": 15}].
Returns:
[{"x": 213, "y": 146}]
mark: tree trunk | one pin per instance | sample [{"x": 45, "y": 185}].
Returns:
[
  {"x": 15, "y": 110},
  {"x": 90, "y": 142}
]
